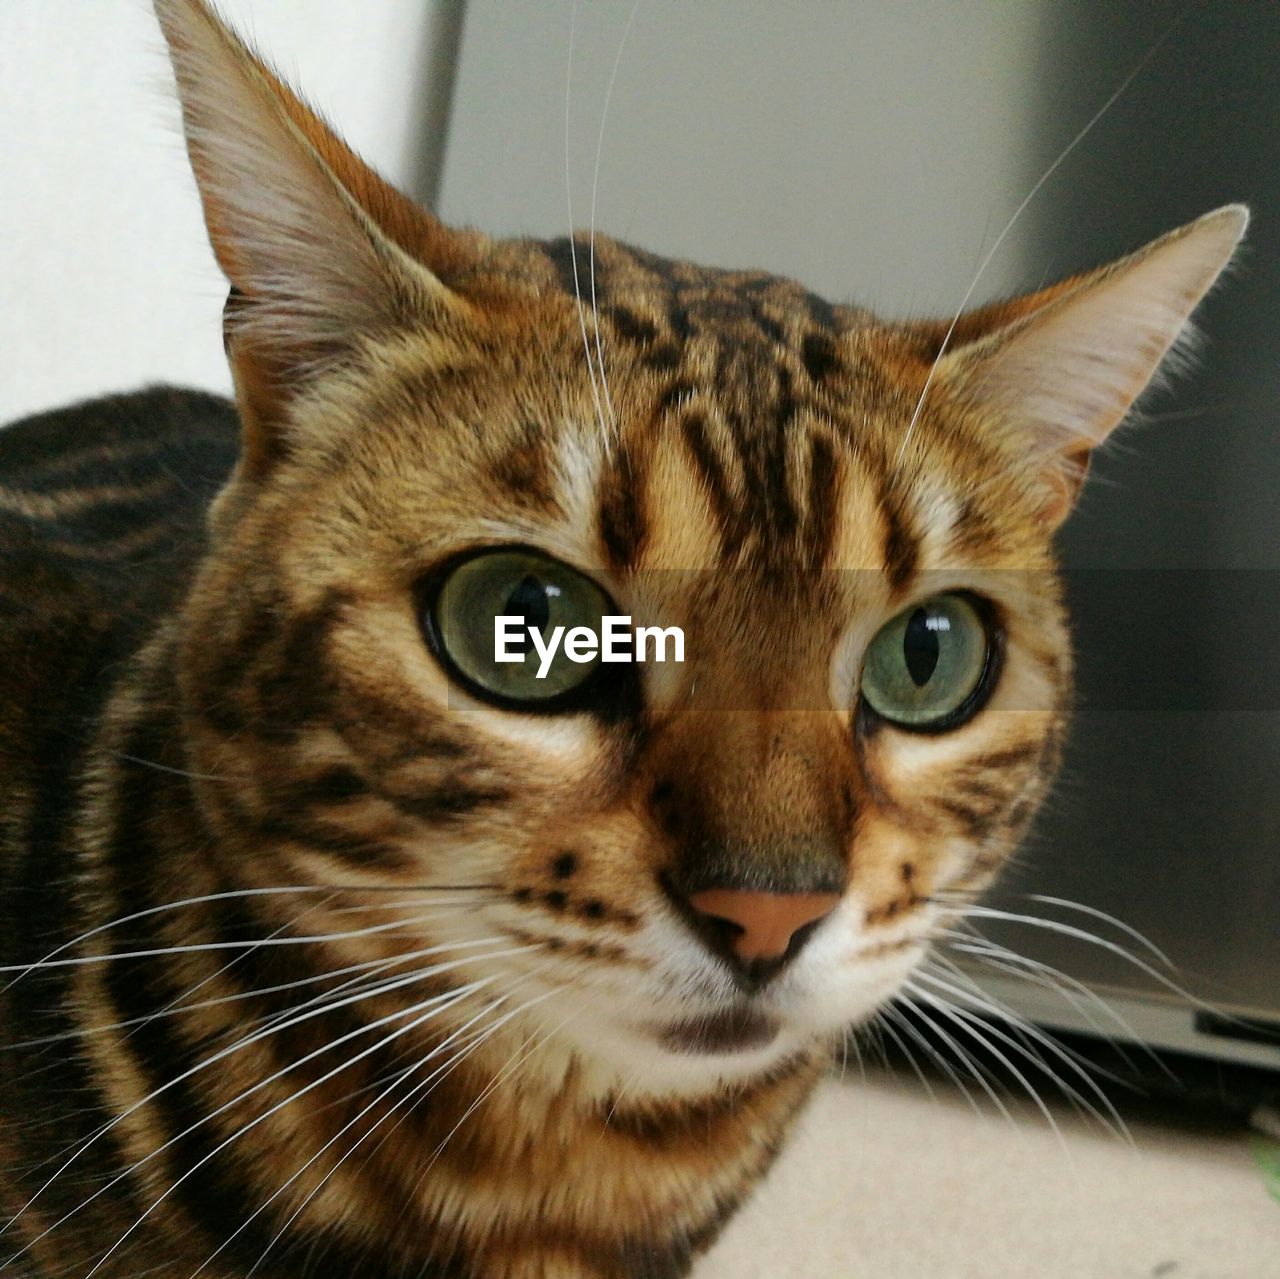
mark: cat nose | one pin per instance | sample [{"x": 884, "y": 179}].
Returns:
[{"x": 767, "y": 924}]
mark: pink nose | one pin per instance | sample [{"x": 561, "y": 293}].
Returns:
[{"x": 767, "y": 921}]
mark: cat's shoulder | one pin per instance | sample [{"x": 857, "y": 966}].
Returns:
[
  {"x": 115, "y": 438},
  {"x": 102, "y": 506}
]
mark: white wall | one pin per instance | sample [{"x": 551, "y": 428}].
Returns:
[{"x": 106, "y": 278}]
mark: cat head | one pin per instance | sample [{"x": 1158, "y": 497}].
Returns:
[{"x": 688, "y": 871}]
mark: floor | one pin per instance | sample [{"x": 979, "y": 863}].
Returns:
[{"x": 883, "y": 1181}]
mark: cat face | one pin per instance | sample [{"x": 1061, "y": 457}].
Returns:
[{"x": 684, "y": 873}]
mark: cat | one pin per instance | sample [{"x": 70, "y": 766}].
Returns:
[{"x": 332, "y": 945}]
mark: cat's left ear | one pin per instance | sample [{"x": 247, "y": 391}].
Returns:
[{"x": 1056, "y": 372}]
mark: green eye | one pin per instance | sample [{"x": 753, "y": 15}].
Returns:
[
  {"x": 926, "y": 669},
  {"x": 537, "y": 591}
]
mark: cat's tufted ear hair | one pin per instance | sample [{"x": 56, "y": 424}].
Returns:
[
  {"x": 1057, "y": 371},
  {"x": 318, "y": 248}
]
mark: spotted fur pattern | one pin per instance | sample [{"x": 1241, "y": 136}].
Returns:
[{"x": 349, "y": 973}]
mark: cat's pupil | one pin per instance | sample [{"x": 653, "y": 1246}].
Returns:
[
  {"x": 530, "y": 601},
  {"x": 920, "y": 647}
]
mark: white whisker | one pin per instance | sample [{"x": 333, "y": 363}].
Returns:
[
  {"x": 573, "y": 248},
  {"x": 595, "y": 184},
  {"x": 397, "y": 1081},
  {"x": 239, "y": 1046},
  {"x": 974, "y": 1027},
  {"x": 883, "y": 1023},
  {"x": 205, "y": 947},
  {"x": 1024, "y": 1031},
  {"x": 434, "y": 1008},
  {"x": 1002, "y": 959},
  {"x": 231, "y": 894},
  {"x": 1081, "y": 934},
  {"x": 1067, "y": 904},
  {"x": 975, "y": 1069},
  {"x": 931, "y": 1053},
  {"x": 1080, "y": 136}
]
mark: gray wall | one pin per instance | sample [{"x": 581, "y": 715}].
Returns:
[{"x": 872, "y": 150}]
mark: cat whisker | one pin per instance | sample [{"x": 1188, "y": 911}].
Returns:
[
  {"x": 487, "y": 1034},
  {"x": 419, "y": 1018},
  {"x": 1001, "y": 958},
  {"x": 1067, "y": 904},
  {"x": 470, "y": 1044},
  {"x": 176, "y": 772},
  {"x": 617, "y": 1100},
  {"x": 976, "y": 1070},
  {"x": 378, "y": 986},
  {"x": 183, "y": 902},
  {"x": 412, "y": 1099},
  {"x": 883, "y": 1026},
  {"x": 204, "y": 947},
  {"x": 179, "y": 1005},
  {"x": 595, "y": 186},
  {"x": 845, "y": 1041},
  {"x": 876, "y": 1029},
  {"x": 573, "y": 248},
  {"x": 1024, "y": 1038},
  {"x": 256, "y": 1037},
  {"x": 1016, "y": 215},
  {"x": 521, "y": 1055},
  {"x": 141, "y": 1162},
  {"x": 1081, "y": 934},
  {"x": 891, "y": 1015},
  {"x": 974, "y": 1026},
  {"x": 1206, "y": 410},
  {"x": 1015, "y": 1019}
]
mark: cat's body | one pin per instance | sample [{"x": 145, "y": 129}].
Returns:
[{"x": 334, "y": 947}]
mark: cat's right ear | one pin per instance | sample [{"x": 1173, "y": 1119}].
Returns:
[{"x": 319, "y": 250}]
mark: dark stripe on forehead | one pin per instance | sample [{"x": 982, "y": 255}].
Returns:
[
  {"x": 973, "y": 531},
  {"x": 822, "y": 506},
  {"x": 653, "y": 347},
  {"x": 770, "y": 327},
  {"x": 821, "y": 312},
  {"x": 901, "y": 551},
  {"x": 622, "y": 518},
  {"x": 818, "y": 352},
  {"x": 697, "y": 438},
  {"x": 561, "y": 254},
  {"x": 524, "y": 469},
  {"x": 785, "y": 405},
  {"x": 633, "y": 327}
]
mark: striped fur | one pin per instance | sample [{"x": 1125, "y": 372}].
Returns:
[{"x": 350, "y": 973}]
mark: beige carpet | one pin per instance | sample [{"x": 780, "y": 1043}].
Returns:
[{"x": 883, "y": 1182}]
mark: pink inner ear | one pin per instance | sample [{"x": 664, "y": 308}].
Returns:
[{"x": 1056, "y": 382}]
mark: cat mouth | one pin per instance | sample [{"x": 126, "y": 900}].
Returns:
[{"x": 733, "y": 1030}]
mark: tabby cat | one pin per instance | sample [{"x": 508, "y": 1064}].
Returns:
[{"x": 335, "y": 947}]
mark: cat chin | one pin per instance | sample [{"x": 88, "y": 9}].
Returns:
[
  {"x": 700, "y": 1056},
  {"x": 645, "y": 1063},
  {"x": 641, "y": 1043}
]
